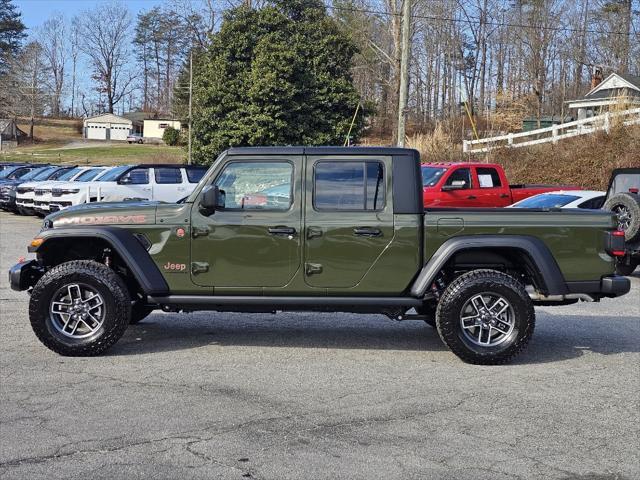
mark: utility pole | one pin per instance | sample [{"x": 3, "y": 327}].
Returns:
[
  {"x": 190, "y": 98},
  {"x": 404, "y": 71}
]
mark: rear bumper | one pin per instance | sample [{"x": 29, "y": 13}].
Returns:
[
  {"x": 24, "y": 275},
  {"x": 608, "y": 286},
  {"x": 615, "y": 286}
]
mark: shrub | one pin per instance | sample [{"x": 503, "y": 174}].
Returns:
[{"x": 171, "y": 136}]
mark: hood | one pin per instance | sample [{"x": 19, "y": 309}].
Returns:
[
  {"x": 105, "y": 213},
  {"x": 11, "y": 182}
]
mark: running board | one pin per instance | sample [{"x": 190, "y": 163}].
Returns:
[{"x": 203, "y": 301}]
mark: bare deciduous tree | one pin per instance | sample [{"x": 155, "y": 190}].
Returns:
[
  {"x": 53, "y": 39},
  {"x": 106, "y": 32}
]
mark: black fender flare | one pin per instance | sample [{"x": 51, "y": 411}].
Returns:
[
  {"x": 125, "y": 244},
  {"x": 534, "y": 248}
]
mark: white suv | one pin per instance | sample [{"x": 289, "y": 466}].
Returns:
[
  {"x": 47, "y": 195},
  {"x": 167, "y": 183}
]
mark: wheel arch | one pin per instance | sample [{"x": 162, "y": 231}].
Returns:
[
  {"x": 68, "y": 243},
  {"x": 535, "y": 255}
]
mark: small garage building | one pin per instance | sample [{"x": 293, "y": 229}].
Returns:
[{"x": 107, "y": 127}]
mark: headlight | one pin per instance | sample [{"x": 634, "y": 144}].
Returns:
[{"x": 25, "y": 189}]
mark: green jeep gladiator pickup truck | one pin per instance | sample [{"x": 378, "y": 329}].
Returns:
[{"x": 315, "y": 229}]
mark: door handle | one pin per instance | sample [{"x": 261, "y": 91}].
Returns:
[
  {"x": 471, "y": 197},
  {"x": 367, "y": 232},
  {"x": 504, "y": 195},
  {"x": 282, "y": 230},
  {"x": 200, "y": 231}
]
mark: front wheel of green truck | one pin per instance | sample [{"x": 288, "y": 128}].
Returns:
[
  {"x": 485, "y": 317},
  {"x": 80, "y": 308}
]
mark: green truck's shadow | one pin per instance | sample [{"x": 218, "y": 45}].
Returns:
[{"x": 557, "y": 337}]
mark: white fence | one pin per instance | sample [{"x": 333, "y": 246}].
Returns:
[{"x": 554, "y": 133}]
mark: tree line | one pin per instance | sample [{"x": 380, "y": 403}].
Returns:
[{"x": 494, "y": 59}]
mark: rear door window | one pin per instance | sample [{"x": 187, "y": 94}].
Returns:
[
  {"x": 488, "y": 178},
  {"x": 349, "y": 186},
  {"x": 194, "y": 175},
  {"x": 164, "y": 175}
]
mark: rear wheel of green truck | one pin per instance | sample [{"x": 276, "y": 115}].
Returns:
[
  {"x": 485, "y": 317},
  {"x": 80, "y": 308}
]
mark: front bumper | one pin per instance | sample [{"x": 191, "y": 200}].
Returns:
[
  {"x": 25, "y": 275},
  {"x": 7, "y": 201}
]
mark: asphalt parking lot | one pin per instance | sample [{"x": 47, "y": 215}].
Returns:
[{"x": 310, "y": 396}]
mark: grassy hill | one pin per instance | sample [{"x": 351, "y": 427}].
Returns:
[
  {"x": 586, "y": 161},
  {"x": 60, "y": 141}
]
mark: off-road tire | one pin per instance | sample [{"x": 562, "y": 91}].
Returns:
[
  {"x": 464, "y": 288},
  {"x": 99, "y": 277},
  {"x": 631, "y": 203},
  {"x": 139, "y": 311},
  {"x": 626, "y": 269}
]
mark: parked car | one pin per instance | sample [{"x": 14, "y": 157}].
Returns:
[
  {"x": 43, "y": 194},
  {"x": 5, "y": 165},
  {"x": 15, "y": 172},
  {"x": 561, "y": 199},
  {"x": 352, "y": 237},
  {"x": 135, "y": 138},
  {"x": 25, "y": 193},
  {"x": 10, "y": 189},
  {"x": 475, "y": 185},
  {"x": 623, "y": 199},
  {"x": 167, "y": 183}
]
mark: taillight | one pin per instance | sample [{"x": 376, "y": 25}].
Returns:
[{"x": 615, "y": 244}]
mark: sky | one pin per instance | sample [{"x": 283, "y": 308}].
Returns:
[{"x": 35, "y": 12}]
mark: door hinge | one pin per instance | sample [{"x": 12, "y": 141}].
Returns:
[
  {"x": 199, "y": 267},
  {"x": 312, "y": 268},
  {"x": 200, "y": 231},
  {"x": 313, "y": 232}
]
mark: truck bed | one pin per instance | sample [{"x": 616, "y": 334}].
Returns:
[{"x": 570, "y": 235}]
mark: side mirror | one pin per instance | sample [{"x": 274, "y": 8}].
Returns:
[
  {"x": 455, "y": 185},
  {"x": 211, "y": 199},
  {"x": 124, "y": 181}
]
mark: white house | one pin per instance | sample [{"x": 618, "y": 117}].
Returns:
[
  {"x": 154, "y": 128},
  {"x": 617, "y": 88},
  {"x": 107, "y": 127}
]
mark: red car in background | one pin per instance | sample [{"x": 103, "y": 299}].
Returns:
[{"x": 480, "y": 185}]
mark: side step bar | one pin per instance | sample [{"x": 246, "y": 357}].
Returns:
[{"x": 204, "y": 301}]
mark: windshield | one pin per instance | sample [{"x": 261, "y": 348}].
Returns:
[
  {"x": 547, "y": 200},
  {"x": 45, "y": 173},
  {"x": 19, "y": 172},
  {"x": 113, "y": 174},
  {"x": 89, "y": 175},
  {"x": 204, "y": 179},
  {"x": 8, "y": 170},
  {"x": 70, "y": 174},
  {"x": 39, "y": 174},
  {"x": 431, "y": 175}
]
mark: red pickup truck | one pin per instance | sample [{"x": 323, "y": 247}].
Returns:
[{"x": 474, "y": 185}]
